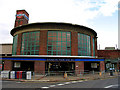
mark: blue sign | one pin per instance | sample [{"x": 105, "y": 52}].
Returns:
[
  {"x": 60, "y": 59},
  {"x": 19, "y": 15},
  {"x": 89, "y": 59},
  {"x": 51, "y": 59}
]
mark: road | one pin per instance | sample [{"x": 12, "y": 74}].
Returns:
[{"x": 106, "y": 83}]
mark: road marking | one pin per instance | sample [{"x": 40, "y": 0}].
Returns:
[
  {"x": 74, "y": 81},
  {"x": 44, "y": 87},
  {"x": 67, "y": 82},
  {"x": 60, "y": 84},
  {"x": 110, "y": 86},
  {"x": 52, "y": 85},
  {"x": 80, "y": 81}
]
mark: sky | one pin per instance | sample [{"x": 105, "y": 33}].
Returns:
[{"x": 100, "y": 15}]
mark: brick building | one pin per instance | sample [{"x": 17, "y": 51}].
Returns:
[
  {"x": 112, "y": 57},
  {"x": 52, "y": 47}
]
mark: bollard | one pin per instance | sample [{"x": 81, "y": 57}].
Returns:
[
  {"x": 65, "y": 75},
  {"x": 100, "y": 73}
]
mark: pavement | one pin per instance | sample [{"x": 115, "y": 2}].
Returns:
[{"x": 60, "y": 78}]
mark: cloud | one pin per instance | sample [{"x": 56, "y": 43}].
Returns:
[{"x": 70, "y": 11}]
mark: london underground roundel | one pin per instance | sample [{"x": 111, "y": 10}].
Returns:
[{"x": 19, "y": 15}]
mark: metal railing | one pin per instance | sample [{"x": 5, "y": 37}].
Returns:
[{"x": 75, "y": 73}]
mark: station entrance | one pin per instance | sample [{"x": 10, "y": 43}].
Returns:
[
  {"x": 23, "y": 66},
  {"x": 59, "y": 67},
  {"x": 91, "y": 66}
]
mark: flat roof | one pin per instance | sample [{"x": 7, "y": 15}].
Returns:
[{"x": 51, "y": 24}]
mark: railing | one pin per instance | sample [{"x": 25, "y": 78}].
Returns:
[{"x": 42, "y": 74}]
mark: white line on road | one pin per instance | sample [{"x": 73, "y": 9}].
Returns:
[
  {"x": 110, "y": 86},
  {"x": 52, "y": 85},
  {"x": 67, "y": 82},
  {"x": 74, "y": 81},
  {"x": 60, "y": 84},
  {"x": 44, "y": 87},
  {"x": 80, "y": 81}
]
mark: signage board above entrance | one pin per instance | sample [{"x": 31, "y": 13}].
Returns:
[{"x": 60, "y": 59}]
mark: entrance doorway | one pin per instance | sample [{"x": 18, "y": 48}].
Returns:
[
  {"x": 91, "y": 66},
  {"x": 59, "y": 67},
  {"x": 23, "y": 66}
]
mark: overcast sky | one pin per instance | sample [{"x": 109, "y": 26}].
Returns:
[{"x": 100, "y": 15}]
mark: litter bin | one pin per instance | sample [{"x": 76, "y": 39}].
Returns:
[
  {"x": 28, "y": 75},
  {"x": 19, "y": 74},
  {"x": 24, "y": 75},
  {"x": 12, "y": 74},
  {"x": 5, "y": 74},
  {"x": 111, "y": 72}
]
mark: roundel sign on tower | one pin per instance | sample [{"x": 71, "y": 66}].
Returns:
[{"x": 19, "y": 15}]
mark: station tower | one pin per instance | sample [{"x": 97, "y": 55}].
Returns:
[{"x": 22, "y": 17}]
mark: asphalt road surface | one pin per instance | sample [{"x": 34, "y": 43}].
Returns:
[{"x": 106, "y": 83}]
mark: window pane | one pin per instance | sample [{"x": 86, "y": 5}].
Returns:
[
  {"x": 59, "y": 40},
  {"x": 30, "y": 43},
  {"x": 83, "y": 45}
]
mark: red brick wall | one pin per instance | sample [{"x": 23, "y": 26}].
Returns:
[
  {"x": 74, "y": 43},
  {"x": 43, "y": 43},
  {"x": 79, "y": 67},
  {"x": 109, "y": 54},
  {"x": 7, "y": 65},
  {"x": 102, "y": 66},
  {"x": 96, "y": 53},
  {"x": 39, "y": 67},
  {"x": 19, "y": 43}
]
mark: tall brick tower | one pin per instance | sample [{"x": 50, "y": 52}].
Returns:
[{"x": 22, "y": 17}]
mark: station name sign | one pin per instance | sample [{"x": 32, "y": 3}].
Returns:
[{"x": 60, "y": 59}]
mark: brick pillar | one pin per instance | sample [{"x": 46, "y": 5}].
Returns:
[
  {"x": 7, "y": 65},
  {"x": 74, "y": 43},
  {"x": 96, "y": 47},
  {"x": 118, "y": 66},
  {"x": 43, "y": 43},
  {"x": 19, "y": 41},
  {"x": 102, "y": 66},
  {"x": 79, "y": 67},
  {"x": 39, "y": 67},
  {"x": 91, "y": 42}
]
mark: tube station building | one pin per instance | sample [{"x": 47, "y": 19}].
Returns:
[{"x": 52, "y": 47}]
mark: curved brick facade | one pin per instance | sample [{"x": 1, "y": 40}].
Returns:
[{"x": 44, "y": 28}]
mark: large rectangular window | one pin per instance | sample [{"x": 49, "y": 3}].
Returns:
[
  {"x": 59, "y": 43},
  {"x": 84, "y": 45},
  {"x": 93, "y": 47},
  {"x": 14, "y": 48},
  {"x": 30, "y": 43}
]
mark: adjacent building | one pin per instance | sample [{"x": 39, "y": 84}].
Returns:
[{"x": 112, "y": 58}]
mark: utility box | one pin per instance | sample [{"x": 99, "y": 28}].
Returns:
[
  {"x": 28, "y": 75},
  {"x": 12, "y": 74},
  {"x": 5, "y": 74},
  {"x": 19, "y": 74}
]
